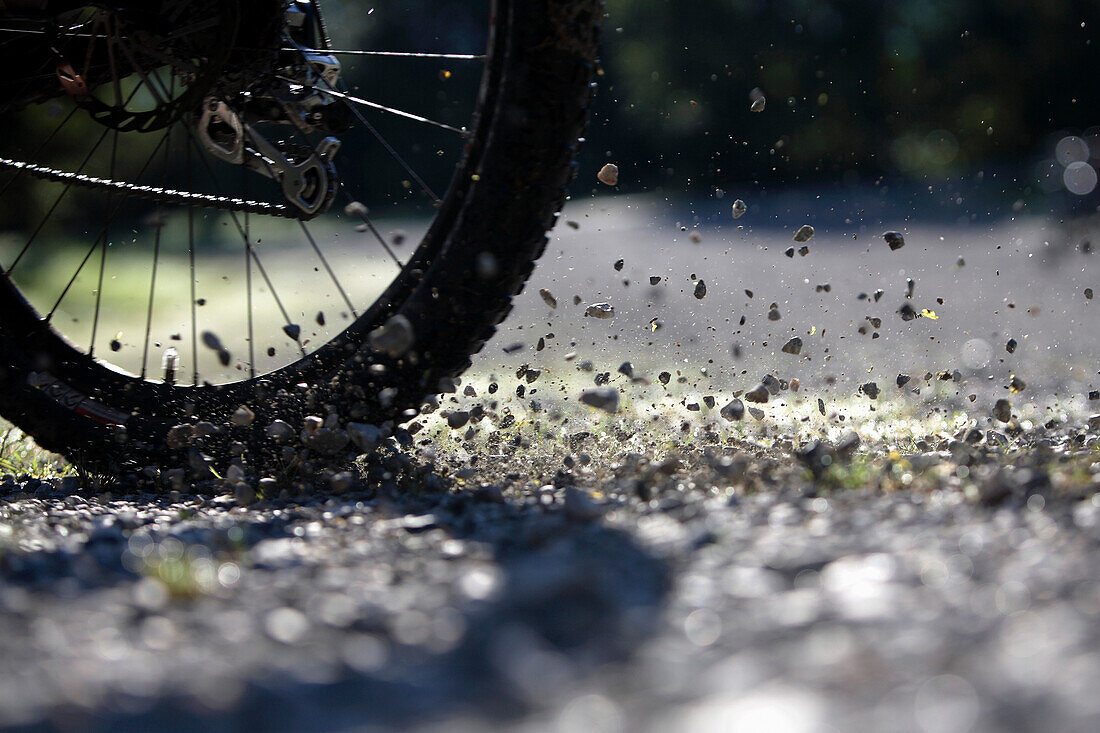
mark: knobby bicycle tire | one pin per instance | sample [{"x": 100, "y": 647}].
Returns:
[{"x": 533, "y": 106}]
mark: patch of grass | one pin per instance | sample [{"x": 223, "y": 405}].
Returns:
[{"x": 20, "y": 455}]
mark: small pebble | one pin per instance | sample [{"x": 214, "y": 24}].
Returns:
[
  {"x": 758, "y": 394},
  {"x": 804, "y": 234},
  {"x": 870, "y": 389},
  {"x": 1002, "y": 410},
  {"x": 739, "y": 209},
  {"x": 1088, "y": 293},
  {"x": 734, "y": 410},
  {"x": 700, "y": 290},
  {"x": 894, "y": 239},
  {"x": 609, "y": 174},
  {"x": 600, "y": 310},
  {"x": 655, "y": 280},
  {"x": 602, "y": 398},
  {"x": 619, "y": 265},
  {"x": 757, "y": 100},
  {"x": 548, "y": 298},
  {"x": 794, "y": 346},
  {"x": 1010, "y": 347},
  {"x": 393, "y": 338}
]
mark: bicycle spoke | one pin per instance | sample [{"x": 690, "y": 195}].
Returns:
[
  {"x": 39, "y": 151},
  {"x": 248, "y": 244},
  {"x": 353, "y": 100},
  {"x": 57, "y": 201},
  {"x": 103, "y": 253},
  {"x": 328, "y": 268},
  {"x": 98, "y": 239},
  {"x": 248, "y": 282},
  {"x": 398, "y": 54},
  {"x": 191, "y": 261}
]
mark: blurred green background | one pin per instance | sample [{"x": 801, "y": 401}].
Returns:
[{"x": 855, "y": 88}]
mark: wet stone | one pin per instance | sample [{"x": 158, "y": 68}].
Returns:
[
  {"x": 804, "y": 234},
  {"x": 700, "y": 290},
  {"x": 655, "y": 280},
  {"x": 627, "y": 369},
  {"x": 619, "y": 265},
  {"x": 803, "y": 251},
  {"x": 789, "y": 252},
  {"x": 1002, "y": 410},
  {"x": 870, "y": 389},
  {"x": 1010, "y": 346},
  {"x": 1088, "y": 293},
  {"x": 548, "y": 298},
  {"x": 292, "y": 330},
  {"x": 894, "y": 239},
  {"x": 903, "y": 379},
  {"x": 1016, "y": 385},
  {"x": 773, "y": 313},
  {"x": 794, "y": 346},
  {"x": 458, "y": 419},
  {"x": 664, "y": 377},
  {"x": 739, "y": 209}
]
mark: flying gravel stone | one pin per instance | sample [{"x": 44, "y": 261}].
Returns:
[
  {"x": 757, "y": 99},
  {"x": 804, "y": 234},
  {"x": 394, "y": 337},
  {"x": 609, "y": 175},
  {"x": 794, "y": 346},
  {"x": 700, "y": 290},
  {"x": 894, "y": 239},
  {"x": 548, "y": 298},
  {"x": 733, "y": 411},
  {"x": 602, "y": 398},
  {"x": 600, "y": 310},
  {"x": 758, "y": 394},
  {"x": 739, "y": 208},
  {"x": 1002, "y": 410}
]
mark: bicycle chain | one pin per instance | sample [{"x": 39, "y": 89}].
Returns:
[{"x": 154, "y": 193}]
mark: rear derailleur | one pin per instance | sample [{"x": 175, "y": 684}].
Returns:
[{"x": 292, "y": 92}]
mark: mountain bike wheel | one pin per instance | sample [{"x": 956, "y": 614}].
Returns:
[{"x": 142, "y": 141}]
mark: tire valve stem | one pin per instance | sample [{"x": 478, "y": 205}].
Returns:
[{"x": 170, "y": 363}]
